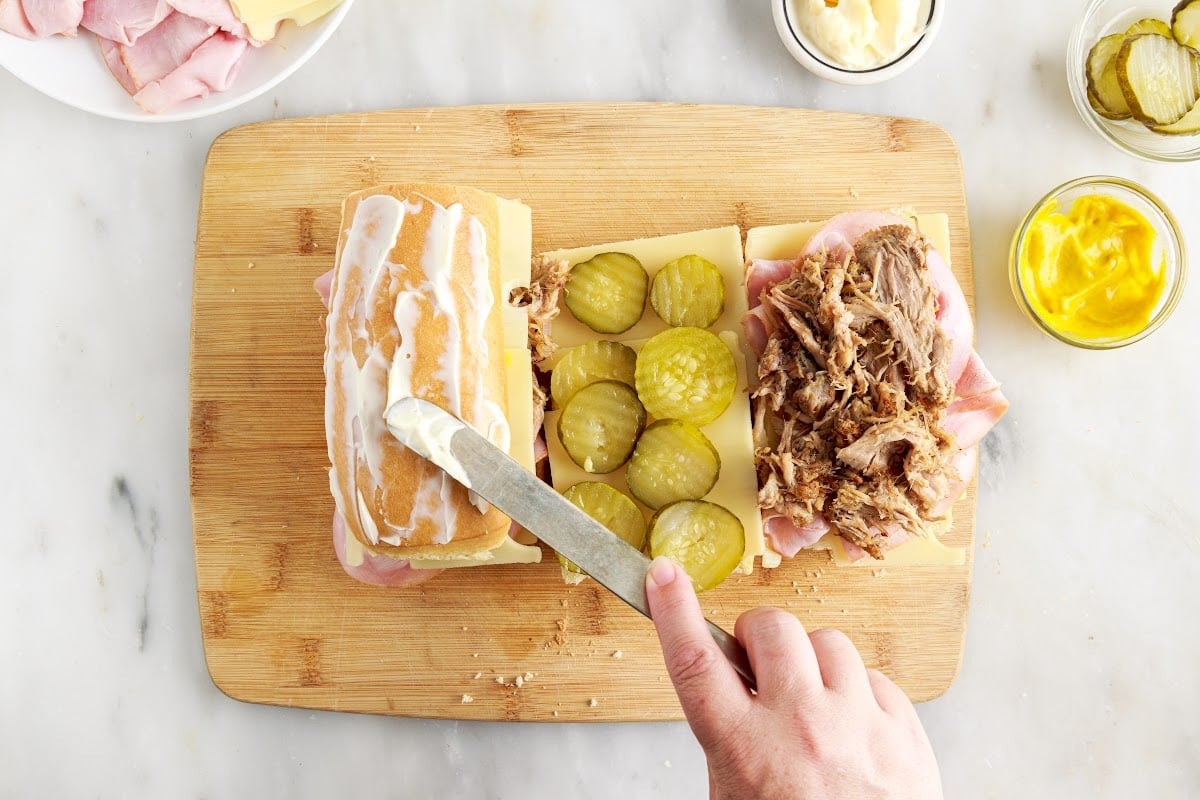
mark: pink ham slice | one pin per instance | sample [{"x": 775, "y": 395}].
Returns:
[
  {"x": 211, "y": 68},
  {"x": 111, "y": 52},
  {"x": 37, "y": 19},
  {"x": 838, "y": 235},
  {"x": 377, "y": 570},
  {"x": 123, "y": 21},
  {"x": 215, "y": 12},
  {"x": 165, "y": 49},
  {"x": 978, "y": 404},
  {"x": 787, "y": 538},
  {"x": 14, "y": 21}
]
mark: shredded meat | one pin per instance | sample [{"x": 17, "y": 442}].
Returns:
[
  {"x": 548, "y": 276},
  {"x": 852, "y": 392},
  {"x": 547, "y": 279}
]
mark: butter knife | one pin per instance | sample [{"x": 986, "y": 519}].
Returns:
[{"x": 489, "y": 472}]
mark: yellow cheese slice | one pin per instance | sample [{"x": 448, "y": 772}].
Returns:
[
  {"x": 786, "y": 241},
  {"x": 721, "y": 246},
  {"x": 262, "y": 17},
  {"x": 737, "y": 486}
]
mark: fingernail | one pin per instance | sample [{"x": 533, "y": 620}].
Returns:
[{"x": 663, "y": 571}]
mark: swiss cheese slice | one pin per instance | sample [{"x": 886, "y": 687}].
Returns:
[
  {"x": 786, "y": 241},
  {"x": 721, "y": 246},
  {"x": 262, "y": 17},
  {"x": 737, "y": 487}
]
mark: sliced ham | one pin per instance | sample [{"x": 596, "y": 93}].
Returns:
[
  {"x": 111, "y": 52},
  {"x": 377, "y": 570},
  {"x": 838, "y": 235},
  {"x": 123, "y": 21},
  {"x": 14, "y": 21},
  {"x": 211, "y": 68},
  {"x": 788, "y": 538},
  {"x": 53, "y": 17},
  {"x": 953, "y": 315},
  {"x": 763, "y": 273},
  {"x": 324, "y": 287},
  {"x": 215, "y": 12},
  {"x": 164, "y": 49}
]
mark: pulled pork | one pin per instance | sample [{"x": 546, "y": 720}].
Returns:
[
  {"x": 547, "y": 279},
  {"x": 852, "y": 391}
]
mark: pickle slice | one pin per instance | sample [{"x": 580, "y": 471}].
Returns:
[
  {"x": 687, "y": 374},
  {"x": 1185, "y": 23},
  {"x": 1149, "y": 25},
  {"x": 704, "y": 538},
  {"x": 610, "y": 508},
  {"x": 673, "y": 461},
  {"x": 607, "y": 292},
  {"x": 1103, "y": 89},
  {"x": 1187, "y": 124},
  {"x": 688, "y": 291},
  {"x": 600, "y": 425},
  {"x": 1159, "y": 77},
  {"x": 600, "y": 360}
]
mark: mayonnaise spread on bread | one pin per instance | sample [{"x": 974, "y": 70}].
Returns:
[
  {"x": 426, "y": 434},
  {"x": 431, "y": 302}
]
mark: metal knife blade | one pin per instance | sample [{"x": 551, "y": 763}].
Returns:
[{"x": 485, "y": 469}]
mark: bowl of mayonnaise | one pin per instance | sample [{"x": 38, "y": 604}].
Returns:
[{"x": 857, "y": 41}]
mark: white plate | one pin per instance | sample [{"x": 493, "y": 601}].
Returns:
[{"x": 72, "y": 71}]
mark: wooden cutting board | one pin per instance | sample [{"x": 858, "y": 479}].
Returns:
[{"x": 281, "y": 622}]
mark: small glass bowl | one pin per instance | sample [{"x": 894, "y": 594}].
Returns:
[
  {"x": 1101, "y": 18},
  {"x": 819, "y": 64},
  {"x": 1168, "y": 246}
]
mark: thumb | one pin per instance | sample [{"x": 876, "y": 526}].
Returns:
[{"x": 712, "y": 695}]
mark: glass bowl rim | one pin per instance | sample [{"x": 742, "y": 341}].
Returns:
[
  {"x": 1076, "y": 58},
  {"x": 1174, "y": 246}
]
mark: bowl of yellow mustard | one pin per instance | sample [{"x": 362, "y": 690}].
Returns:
[{"x": 1098, "y": 263}]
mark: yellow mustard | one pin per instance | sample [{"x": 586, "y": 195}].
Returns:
[{"x": 1090, "y": 272}]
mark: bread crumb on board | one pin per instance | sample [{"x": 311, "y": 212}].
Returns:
[
  {"x": 467, "y": 699},
  {"x": 593, "y": 703},
  {"x": 618, "y": 654}
]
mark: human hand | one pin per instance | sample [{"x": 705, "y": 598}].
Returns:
[{"x": 821, "y": 727}]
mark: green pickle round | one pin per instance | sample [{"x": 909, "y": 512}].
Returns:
[
  {"x": 706, "y": 539},
  {"x": 612, "y": 509},
  {"x": 607, "y": 292},
  {"x": 688, "y": 292},
  {"x": 600, "y": 425},
  {"x": 673, "y": 461},
  {"x": 582, "y": 366},
  {"x": 687, "y": 374}
]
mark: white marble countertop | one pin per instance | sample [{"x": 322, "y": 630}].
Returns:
[{"x": 1079, "y": 679}]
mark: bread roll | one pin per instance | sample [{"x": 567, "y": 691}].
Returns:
[{"x": 415, "y": 310}]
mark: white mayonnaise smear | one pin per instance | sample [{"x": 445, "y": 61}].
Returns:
[
  {"x": 860, "y": 34},
  {"x": 376, "y": 388},
  {"x": 424, "y": 429}
]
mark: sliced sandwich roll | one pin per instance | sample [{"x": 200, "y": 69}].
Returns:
[{"x": 417, "y": 309}]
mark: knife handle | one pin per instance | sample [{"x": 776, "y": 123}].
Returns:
[{"x": 736, "y": 654}]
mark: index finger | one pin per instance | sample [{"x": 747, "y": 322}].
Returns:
[{"x": 711, "y": 693}]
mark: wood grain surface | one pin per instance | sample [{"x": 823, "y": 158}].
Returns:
[{"x": 281, "y": 622}]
